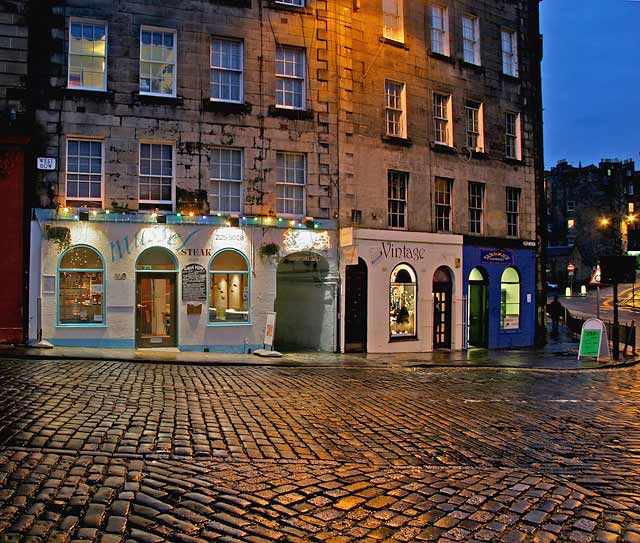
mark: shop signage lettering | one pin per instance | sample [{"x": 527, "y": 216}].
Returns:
[
  {"x": 496, "y": 256},
  {"x": 229, "y": 234},
  {"x": 391, "y": 250},
  {"x": 149, "y": 236},
  {"x": 304, "y": 240},
  {"x": 191, "y": 251}
]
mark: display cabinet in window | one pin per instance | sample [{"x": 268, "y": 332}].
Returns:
[
  {"x": 402, "y": 303},
  {"x": 229, "y": 289},
  {"x": 81, "y": 287}
]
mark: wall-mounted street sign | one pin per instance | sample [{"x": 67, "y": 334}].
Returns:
[
  {"x": 46, "y": 163},
  {"x": 593, "y": 340}
]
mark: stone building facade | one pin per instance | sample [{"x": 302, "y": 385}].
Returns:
[
  {"x": 460, "y": 152},
  {"x": 352, "y": 155},
  {"x": 15, "y": 137}
]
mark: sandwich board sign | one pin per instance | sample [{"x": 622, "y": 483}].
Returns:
[
  {"x": 269, "y": 329},
  {"x": 593, "y": 340}
]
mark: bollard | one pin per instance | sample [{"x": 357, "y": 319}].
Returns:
[
  {"x": 583, "y": 290},
  {"x": 567, "y": 292}
]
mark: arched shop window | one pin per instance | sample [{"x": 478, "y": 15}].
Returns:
[
  {"x": 229, "y": 288},
  {"x": 510, "y": 299},
  {"x": 81, "y": 287},
  {"x": 402, "y": 302}
]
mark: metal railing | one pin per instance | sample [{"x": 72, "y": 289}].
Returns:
[{"x": 627, "y": 331}]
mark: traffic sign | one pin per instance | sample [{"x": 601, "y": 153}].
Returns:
[
  {"x": 570, "y": 267},
  {"x": 596, "y": 277}
]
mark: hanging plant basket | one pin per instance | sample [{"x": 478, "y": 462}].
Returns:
[
  {"x": 269, "y": 250},
  {"x": 61, "y": 236}
]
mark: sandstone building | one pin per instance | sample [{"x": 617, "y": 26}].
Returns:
[{"x": 366, "y": 171}]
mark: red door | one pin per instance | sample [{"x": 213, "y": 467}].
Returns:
[{"x": 11, "y": 243}]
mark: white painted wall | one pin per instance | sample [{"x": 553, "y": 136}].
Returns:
[
  {"x": 424, "y": 252},
  {"x": 193, "y": 330}
]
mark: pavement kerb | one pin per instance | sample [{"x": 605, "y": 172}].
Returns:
[{"x": 289, "y": 363}]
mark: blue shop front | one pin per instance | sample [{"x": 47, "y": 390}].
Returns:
[{"x": 499, "y": 284}]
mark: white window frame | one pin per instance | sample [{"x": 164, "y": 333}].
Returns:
[
  {"x": 391, "y": 109},
  {"x": 509, "y": 57},
  {"x": 76, "y": 20},
  {"x": 173, "y": 93},
  {"x": 478, "y": 130},
  {"x": 303, "y": 60},
  {"x": 171, "y": 202},
  {"x": 395, "y": 32},
  {"x": 66, "y": 175},
  {"x": 475, "y": 42},
  {"x": 440, "y": 36},
  {"x": 239, "y": 181},
  {"x": 284, "y": 183},
  {"x": 513, "y": 210},
  {"x": 402, "y": 177},
  {"x": 222, "y": 69},
  {"x": 510, "y": 137},
  {"x": 444, "y": 205},
  {"x": 295, "y": 3},
  {"x": 477, "y": 209},
  {"x": 438, "y": 119}
]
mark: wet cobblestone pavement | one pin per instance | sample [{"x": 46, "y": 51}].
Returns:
[{"x": 115, "y": 451}]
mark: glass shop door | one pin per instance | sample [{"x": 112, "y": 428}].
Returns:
[{"x": 156, "y": 310}]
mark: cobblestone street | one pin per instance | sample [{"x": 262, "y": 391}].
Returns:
[{"x": 117, "y": 451}]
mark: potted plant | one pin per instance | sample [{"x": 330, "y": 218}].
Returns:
[
  {"x": 269, "y": 251},
  {"x": 61, "y": 236}
]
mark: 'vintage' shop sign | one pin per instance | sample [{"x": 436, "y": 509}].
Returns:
[{"x": 389, "y": 249}]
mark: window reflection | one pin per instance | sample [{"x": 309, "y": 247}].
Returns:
[{"x": 402, "y": 302}]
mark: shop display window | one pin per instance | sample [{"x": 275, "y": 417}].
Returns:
[
  {"x": 81, "y": 287},
  {"x": 402, "y": 303},
  {"x": 229, "y": 288},
  {"x": 510, "y": 299}
]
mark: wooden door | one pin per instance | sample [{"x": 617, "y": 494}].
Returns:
[{"x": 356, "y": 308}]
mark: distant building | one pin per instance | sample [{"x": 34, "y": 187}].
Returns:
[{"x": 593, "y": 208}]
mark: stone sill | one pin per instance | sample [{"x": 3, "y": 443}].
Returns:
[
  {"x": 396, "y": 140},
  {"x": 287, "y": 7},
  {"x": 297, "y": 114},
  {"x": 513, "y": 161},
  {"x": 444, "y": 58},
  {"x": 395, "y": 43},
  {"x": 471, "y": 66},
  {"x": 97, "y": 95},
  {"x": 511, "y": 78},
  {"x": 233, "y": 3},
  {"x": 153, "y": 100},
  {"x": 226, "y": 108},
  {"x": 442, "y": 148}
]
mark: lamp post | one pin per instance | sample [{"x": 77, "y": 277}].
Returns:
[{"x": 617, "y": 251}]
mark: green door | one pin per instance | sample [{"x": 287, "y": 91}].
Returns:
[{"x": 478, "y": 314}]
